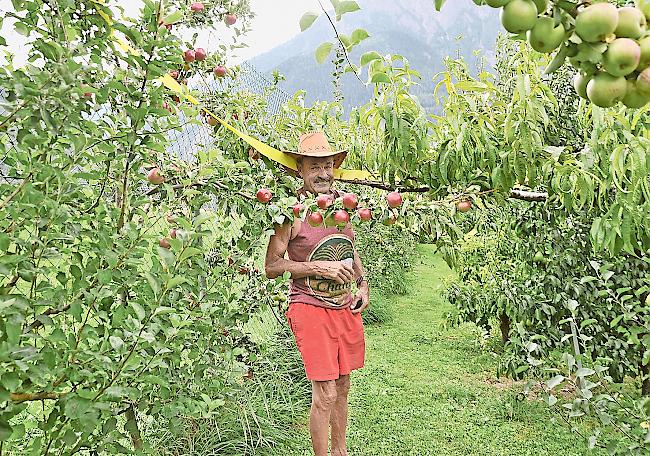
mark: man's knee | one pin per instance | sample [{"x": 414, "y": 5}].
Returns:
[
  {"x": 343, "y": 385},
  {"x": 324, "y": 394}
]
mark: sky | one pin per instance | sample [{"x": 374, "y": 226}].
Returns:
[{"x": 276, "y": 22}]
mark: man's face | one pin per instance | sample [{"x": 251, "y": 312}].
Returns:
[{"x": 318, "y": 174}]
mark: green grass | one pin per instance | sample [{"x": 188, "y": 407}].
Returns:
[{"x": 426, "y": 390}]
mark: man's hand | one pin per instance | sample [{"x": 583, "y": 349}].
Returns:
[
  {"x": 334, "y": 270},
  {"x": 363, "y": 294}
]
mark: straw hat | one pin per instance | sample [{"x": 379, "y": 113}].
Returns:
[{"x": 315, "y": 144}]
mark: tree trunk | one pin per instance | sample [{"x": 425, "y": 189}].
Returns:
[
  {"x": 132, "y": 427},
  {"x": 504, "y": 324}
]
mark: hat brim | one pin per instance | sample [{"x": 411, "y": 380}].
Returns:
[{"x": 339, "y": 155}]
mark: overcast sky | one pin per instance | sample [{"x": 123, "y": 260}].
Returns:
[{"x": 276, "y": 21}]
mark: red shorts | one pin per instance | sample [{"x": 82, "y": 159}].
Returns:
[{"x": 331, "y": 341}]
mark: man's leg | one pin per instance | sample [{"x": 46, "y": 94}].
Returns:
[
  {"x": 339, "y": 416},
  {"x": 323, "y": 398}
]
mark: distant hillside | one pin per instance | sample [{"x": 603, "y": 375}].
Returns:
[{"x": 409, "y": 27}]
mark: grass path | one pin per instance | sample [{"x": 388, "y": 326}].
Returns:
[{"x": 426, "y": 390}]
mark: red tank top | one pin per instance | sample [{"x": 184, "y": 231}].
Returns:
[{"x": 321, "y": 244}]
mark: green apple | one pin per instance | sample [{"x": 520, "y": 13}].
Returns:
[
  {"x": 545, "y": 36},
  {"x": 580, "y": 81},
  {"x": 622, "y": 57},
  {"x": 497, "y": 3},
  {"x": 605, "y": 90},
  {"x": 635, "y": 98},
  {"x": 644, "y": 61},
  {"x": 519, "y": 16},
  {"x": 597, "y": 22},
  {"x": 631, "y": 23}
]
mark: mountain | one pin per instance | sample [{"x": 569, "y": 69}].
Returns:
[{"x": 412, "y": 28}]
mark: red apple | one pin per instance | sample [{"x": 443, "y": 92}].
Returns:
[
  {"x": 365, "y": 214},
  {"x": 230, "y": 19},
  {"x": 464, "y": 206},
  {"x": 164, "y": 243},
  {"x": 315, "y": 219},
  {"x": 212, "y": 121},
  {"x": 169, "y": 26},
  {"x": 323, "y": 201},
  {"x": 220, "y": 71},
  {"x": 155, "y": 177},
  {"x": 341, "y": 217},
  {"x": 297, "y": 209},
  {"x": 200, "y": 54},
  {"x": 189, "y": 56},
  {"x": 390, "y": 220},
  {"x": 172, "y": 233},
  {"x": 350, "y": 201},
  {"x": 264, "y": 195},
  {"x": 394, "y": 199},
  {"x": 174, "y": 74},
  {"x": 197, "y": 7}
]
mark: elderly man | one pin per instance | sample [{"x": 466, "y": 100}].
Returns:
[{"x": 323, "y": 315}]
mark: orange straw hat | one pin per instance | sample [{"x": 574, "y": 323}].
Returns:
[{"x": 315, "y": 144}]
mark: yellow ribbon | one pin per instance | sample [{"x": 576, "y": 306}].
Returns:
[{"x": 278, "y": 156}]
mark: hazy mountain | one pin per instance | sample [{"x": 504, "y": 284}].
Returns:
[{"x": 412, "y": 28}]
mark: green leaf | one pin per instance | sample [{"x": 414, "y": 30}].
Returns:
[
  {"x": 346, "y": 6},
  {"x": 323, "y": 51},
  {"x": 137, "y": 308},
  {"x": 188, "y": 253},
  {"x": 369, "y": 57},
  {"x": 307, "y": 20},
  {"x": 439, "y": 4},
  {"x": 175, "y": 281},
  {"x": 585, "y": 372},
  {"x": 174, "y": 17},
  {"x": 358, "y": 36},
  {"x": 116, "y": 342},
  {"x": 555, "y": 381},
  {"x": 380, "y": 77},
  {"x": 5, "y": 431},
  {"x": 154, "y": 283}
]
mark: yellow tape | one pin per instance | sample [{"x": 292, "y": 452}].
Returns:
[{"x": 278, "y": 156}]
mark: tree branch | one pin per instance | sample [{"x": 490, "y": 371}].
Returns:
[{"x": 27, "y": 397}]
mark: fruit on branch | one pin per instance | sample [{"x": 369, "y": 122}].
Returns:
[
  {"x": 171, "y": 218},
  {"x": 164, "y": 243},
  {"x": 220, "y": 71},
  {"x": 189, "y": 56},
  {"x": 394, "y": 199},
  {"x": 644, "y": 61},
  {"x": 172, "y": 233},
  {"x": 323, "y": 201},
  {"x": 545, "y": 36},
  {"x": 596, "y": 22},
  {"x": 212, "y": 121},
  {"x": 634, "y": 97},
  {"x": 200, "y": 54},
  {"x": 350, "y": 201},
  {"x": 341, "y": 217},
  {"x": 197, "y": 7},
  {"x": 264, "y": 195},
  {"x": 154, "y": 176},
  {"x": 315, "y": 219},
  {"x": 297, "y": 209},
  {"x": 174, "y": 74},
  {"x": 230, "y": 19},
  {"x": 622, "y": 57},
  {"x": 580, "y": 81},
  {"x": 390, "y": 220},
  {"x": 519, "y": 16},
  {"x": 497, "y": 3},
  {"x": 644, "y": 6},
  {"x": 464, "y": 206},
  {"x": 631, "y": 23},
  {"x": 365, "y": 214},
  {"x": 643, "y": 81},
  {"x": 605, "y": 90}
]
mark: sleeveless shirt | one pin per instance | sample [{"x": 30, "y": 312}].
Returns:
[{"x": 321, "y": 244}]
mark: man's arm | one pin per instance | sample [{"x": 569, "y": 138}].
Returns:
[{"x": 276, "y": 264}]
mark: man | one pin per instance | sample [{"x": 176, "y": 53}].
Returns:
[{"x": 323, "y": 315}]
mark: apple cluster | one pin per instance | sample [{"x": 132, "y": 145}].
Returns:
[
  {"x": 324, "y": 210},
  {"x": 609, "y": 46}
]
